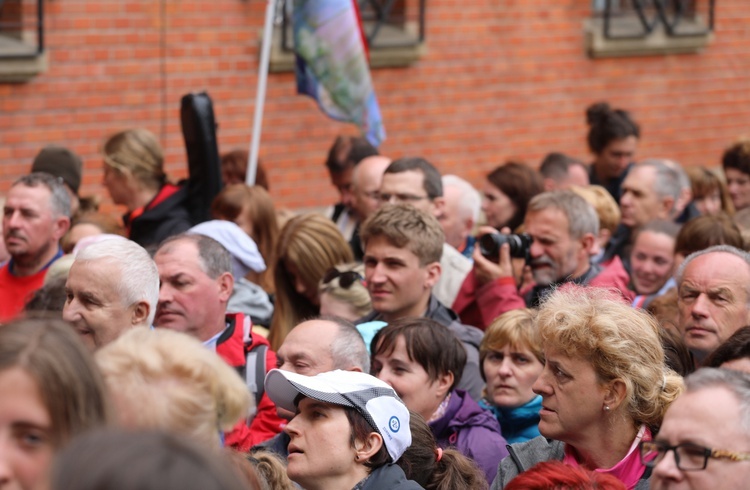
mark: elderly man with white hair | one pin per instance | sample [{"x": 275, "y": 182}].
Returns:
[
  {"x": 463, "y": 203},
  {"x": 112, "y": 286}
]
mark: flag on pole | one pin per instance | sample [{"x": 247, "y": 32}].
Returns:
[{"x": 332, "y": 65}]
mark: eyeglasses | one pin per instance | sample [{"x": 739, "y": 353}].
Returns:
[
  {"x": 687, "y": 456},
  {"x": 346, "y": 278},
  {"x": 400, "y": 197}
]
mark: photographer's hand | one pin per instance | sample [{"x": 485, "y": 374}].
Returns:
[{"x": 486, "y": 270}]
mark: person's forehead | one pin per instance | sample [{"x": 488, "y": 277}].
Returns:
[
  {"x": 381, "y": 248},
  {"x": 641, "y": 177},
  {"x": 708, "y": 416},
  {"x": 409, "y": 180},
  {"x": 719, "y": 266},
  {"x": 21, "y": 195},
  {"x": 180, "y": 254},
  {"x": 547, "y": 220}
]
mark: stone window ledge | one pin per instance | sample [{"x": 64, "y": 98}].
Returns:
[{"x": 656, "y": 43}]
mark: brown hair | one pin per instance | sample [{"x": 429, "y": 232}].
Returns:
[
  {"x": 737, "y": 156},
  {"x": 234, "y": 164},
  {"x": 704, "y": 182},
  {"x": 737, "y": 346},
  {"x": 68, "y": 380},
  {"x": 314, "y": 244},
  {"x": 706, "y": 231},
  {"x": 450, "y": 471},
  {"x": 405, "y": 226},
  {"x": 520, "y": 183},
  {"x": 255, "y": 204},
  {"x": 430, "y": 344}
]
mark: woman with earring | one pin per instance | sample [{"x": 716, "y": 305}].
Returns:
[{"x": 604, "y": 387}]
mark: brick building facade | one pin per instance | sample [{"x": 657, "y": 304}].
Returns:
[{"x": 498, "y": 79}]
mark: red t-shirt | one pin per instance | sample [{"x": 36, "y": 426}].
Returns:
[{"x": 15, "y": 291}]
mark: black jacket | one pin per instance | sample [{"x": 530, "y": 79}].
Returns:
[{"x": 169, "y": 217}]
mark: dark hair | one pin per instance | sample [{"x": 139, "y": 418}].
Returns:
[
  {"x": 348, "y": 151},
  {"x": 453, "y": 471},
  {"x": 737, "y": 156},
  {"x": 737, "y": 346},
  {"x": 47, "y": 301},
  {"x": 520, "y": 183},
  {"x": 555, "y": 165},
  {"x": 432, "y": 345},
  {"x": 119, "y": 460},
  {"x": 234, "y": 163},
  {"x": 706, "y": 231},
  {"x": 432, "y": 183},
  {"x": 676, "y": 354},
  {"x": 361, "y": 429},
  {"x": 556, "y": 474},
  {"x": 215, "y": 259},
  {"x": 607, "y": 125}
]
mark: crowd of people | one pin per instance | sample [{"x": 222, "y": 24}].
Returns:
[{"x": 580, "y": 325}]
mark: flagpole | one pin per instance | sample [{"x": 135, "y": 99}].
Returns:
[{"x": 260, "y": 98}]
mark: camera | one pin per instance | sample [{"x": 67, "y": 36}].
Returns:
[{"x": 520, "y": 245}]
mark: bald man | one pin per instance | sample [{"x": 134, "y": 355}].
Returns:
[{"x": 366, "y": 180}]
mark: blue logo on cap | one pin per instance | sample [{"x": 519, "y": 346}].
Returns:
[{"x": 394, "y": 424}]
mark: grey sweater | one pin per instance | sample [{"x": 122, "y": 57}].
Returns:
[{"x": 524, "y": 455}]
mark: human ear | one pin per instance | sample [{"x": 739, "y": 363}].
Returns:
[
  {"x": 615, "y": 394},
  {"x": 140, "y": 313},
  {"x": 365, "y": 450},
  {"x": 444, "y": 383},
  {"x": 433, "y": 274},
  {"x": 226, "y": 285}
]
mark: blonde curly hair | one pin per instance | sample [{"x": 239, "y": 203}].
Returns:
[
  {"x": 619, "y": 341},
  {"x": 162, "y": 379}
]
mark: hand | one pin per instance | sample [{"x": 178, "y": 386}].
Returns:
[{"x": 486, "y": 270}]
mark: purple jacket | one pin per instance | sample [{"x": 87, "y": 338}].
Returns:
[{"x": 473, "y": 431}]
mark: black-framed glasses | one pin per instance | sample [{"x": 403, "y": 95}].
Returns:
[
  {"x": 346, "y": 278},
  {"x": 687, "y": 456},
  {"x": 385, "y": 197}
]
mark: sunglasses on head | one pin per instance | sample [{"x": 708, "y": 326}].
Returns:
[{"x": 346, "y": 278}]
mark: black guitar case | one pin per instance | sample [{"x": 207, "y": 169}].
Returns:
[{"x": 204, "y": 164}]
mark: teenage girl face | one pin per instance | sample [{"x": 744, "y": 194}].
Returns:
[{"x": 26, "y": 434}]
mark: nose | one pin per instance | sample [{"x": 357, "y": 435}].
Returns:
[
  {"x": 666, "y": 469},
  {"x": 385, "y": 376},
  {"x": 165, "y": 294},
  {"x": 536, "y": 250},
  {"x": 70, "y": 311},
  {"x": 291, "y": 427},
  {"x": 541, "y": 386},
  {"x": 505, "y": 369},
  {"x": 700, "y": 307},
  {"x": 375, "y": 275},
  {"x": 6, "y": 473}
]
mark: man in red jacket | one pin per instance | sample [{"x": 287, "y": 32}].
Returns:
[
  {"x": 563, "y": 227},
  {"x": 196, "y": 283}
]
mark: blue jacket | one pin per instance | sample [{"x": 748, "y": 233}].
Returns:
[
  {"x": 473, "y": 431},
  {"x": 519, "y": 424}
]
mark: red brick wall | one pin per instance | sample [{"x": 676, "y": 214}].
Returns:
[{"x": 501, "y": 79}]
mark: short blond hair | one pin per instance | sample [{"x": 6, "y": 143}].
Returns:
[
  {"x": 619, "y": 341},
  {"x": 603, "y": 203},
  {"x": 516, "y": 328},
  {"x": 172, "y": 382}
]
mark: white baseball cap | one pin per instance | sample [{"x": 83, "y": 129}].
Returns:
[{"x": 374, "y": 399}]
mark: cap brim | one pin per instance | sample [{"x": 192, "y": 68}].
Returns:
[{"x": 283, "y": 388}]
